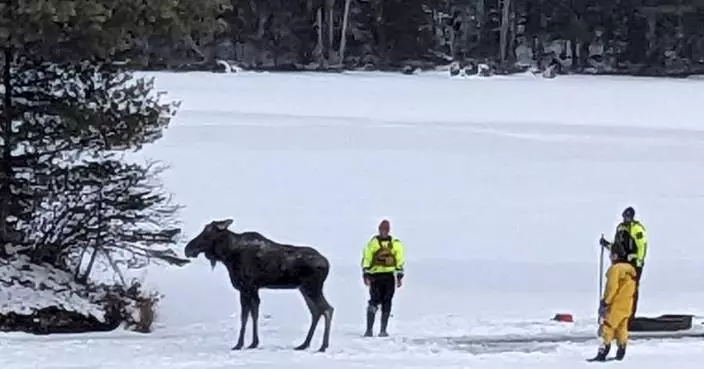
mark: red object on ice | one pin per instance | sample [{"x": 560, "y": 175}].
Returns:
[{"x": 565, "y": 318}]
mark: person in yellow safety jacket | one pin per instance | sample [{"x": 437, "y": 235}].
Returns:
[
  {"x": 382, "y": 271},
  {"x": 631, "y": 234},
  {"x": 617, "y": 303}
]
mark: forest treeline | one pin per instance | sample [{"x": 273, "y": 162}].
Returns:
[{"x": 598, "y": 36}]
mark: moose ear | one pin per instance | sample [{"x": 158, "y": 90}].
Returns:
[{"x": 223, "y": 225}]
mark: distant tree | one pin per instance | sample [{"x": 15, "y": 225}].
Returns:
[{"x": 174, "y": 33}]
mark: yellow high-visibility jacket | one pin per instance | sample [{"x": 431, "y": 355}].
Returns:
[
  {"x": 386, "y": 256},
  {"x": 637, "y": 239}
]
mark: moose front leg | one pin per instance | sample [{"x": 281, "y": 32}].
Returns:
[
  {"x": 254, "y": 309},
  {"x": 245, "y": 308}
]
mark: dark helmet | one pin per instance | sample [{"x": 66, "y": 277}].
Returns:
[{"x": 629, "y": 213}]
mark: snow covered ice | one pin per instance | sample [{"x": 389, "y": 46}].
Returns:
[{"x": 500, "y": 189}]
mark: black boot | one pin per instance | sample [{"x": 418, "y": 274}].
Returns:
[
  {"x": 371, "y": 315},
  {"x": 621, "y": 352},
  {"x": 603, "y": 352},
  {"x": 384, "y": 324}
]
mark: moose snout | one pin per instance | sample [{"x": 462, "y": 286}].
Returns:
[{"x": 191, "y": 251}]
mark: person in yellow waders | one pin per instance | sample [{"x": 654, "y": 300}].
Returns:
[
  {"x": 382, "y": 271},
  {"x": 617, "y": 303},
  {"x": 631, "y": 235}
]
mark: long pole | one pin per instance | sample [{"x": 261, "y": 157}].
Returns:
[
  {"x": 601, "y": 273},
  {"x": 601, "y": 287}
]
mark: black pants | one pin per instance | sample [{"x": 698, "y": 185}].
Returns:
[
  {"x": 381, "y": 291},
  {"x": 639, "y": 272}
]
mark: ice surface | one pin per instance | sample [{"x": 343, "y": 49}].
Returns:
[{"x": 500, "y": 189}]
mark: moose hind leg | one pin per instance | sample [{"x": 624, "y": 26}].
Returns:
[
  {"x": 327, "y": 310},
  {"x": 254, "y": 309},
  {"x": 315, "y": 317},
  {"x": 244, "y": 314}
]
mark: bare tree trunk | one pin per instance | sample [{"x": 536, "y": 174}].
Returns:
[
  {"x": 98, "y": 238},
  {"x": 510, "y": 53},
  {"x": 261, "y": 32},
  {"x": 6, "y": 174},
  {"x": 330, "y": 22},
  {"x": 343, "y": 34},
  {"x": 114, "y": 266},
  {"x": 504, "y": 30},
  {"x": 76, "y": 275},
  {"x": 381, "y": 33},
  {"x": 89, "y": 268},
  {"x": 319, "y": 21}
]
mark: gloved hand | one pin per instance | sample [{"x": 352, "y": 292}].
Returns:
[
  {"x": 603, "y": 308},
  {"x": 366, "y": 279},
  {"x": 603, "y": 242}
]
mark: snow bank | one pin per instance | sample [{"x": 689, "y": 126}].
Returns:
[
  {"x": 26, "y": 287},
  {"x": 38, "y": 298}
]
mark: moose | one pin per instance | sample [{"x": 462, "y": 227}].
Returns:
[{"x": 255, "y": 262}]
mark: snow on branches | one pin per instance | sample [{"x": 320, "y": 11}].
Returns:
[
  {"x": 87, "y": 106},
  {"x": 106, "y": 210},
  {"x": 67, "y": 191}
]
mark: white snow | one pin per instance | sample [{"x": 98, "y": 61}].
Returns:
[
  {"x": 26, "y": 288},
  {"x": 499, "y": 187}
]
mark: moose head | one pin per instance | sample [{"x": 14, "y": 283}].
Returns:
[{"x": 213, "y": 235}]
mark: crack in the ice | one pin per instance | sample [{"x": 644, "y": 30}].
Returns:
[{"x": 528, "y": 344}]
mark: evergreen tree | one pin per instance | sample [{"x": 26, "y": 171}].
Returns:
[
  {"x": 64, "y": 103},
  {"x": 68, "y": 114}
]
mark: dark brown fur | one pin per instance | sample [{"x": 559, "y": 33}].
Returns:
[{"x": 254, "y": 262}]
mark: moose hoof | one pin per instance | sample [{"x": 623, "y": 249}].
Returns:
[
  {"x": 322, "y": 349},
  {"x": 237, "y": 347},
  {"x": 253, "y": 345},
  {"x": 301, "y": 347}
]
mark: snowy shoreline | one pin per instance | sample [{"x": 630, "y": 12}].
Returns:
[
  {"x": 28, "y": 287},
  {"x": 41, "y": 299}
]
